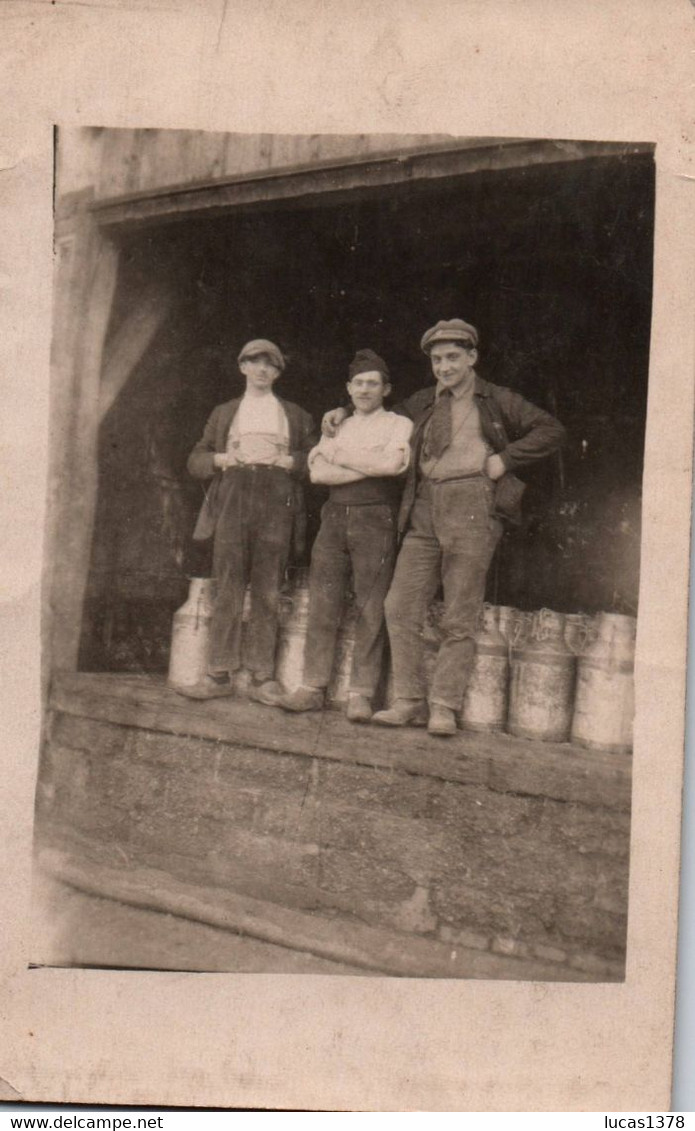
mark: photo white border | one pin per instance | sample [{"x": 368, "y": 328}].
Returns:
[{"x": 619, "y": 70}]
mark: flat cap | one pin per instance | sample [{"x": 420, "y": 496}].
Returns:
[
  {"x": 453, "y": 330},
  {"x": 262, "y": 345},
  {"x": 366, "y": 361}
]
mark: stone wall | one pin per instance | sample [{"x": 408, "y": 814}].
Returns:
[{"x": 490, "y": 869}]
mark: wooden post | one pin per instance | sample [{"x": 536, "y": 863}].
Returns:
[{"x": 86, "y": 271}]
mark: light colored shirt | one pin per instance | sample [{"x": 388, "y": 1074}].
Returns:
[
  {"x": 468, "y": 450},
  {"x": 379, "y": 432},
  {"x": 260, "y": 431}
]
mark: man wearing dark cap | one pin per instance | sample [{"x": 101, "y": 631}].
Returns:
[
  {"x": 254, "y": 449},
  {"x": 469, "y": 437},
  {"x": 363, "y": 465}
]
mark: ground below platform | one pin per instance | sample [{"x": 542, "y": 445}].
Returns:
[{"x": 73, "y": 928}]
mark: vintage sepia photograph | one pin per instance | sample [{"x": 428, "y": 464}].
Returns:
[{"x": 342, "y": 553}]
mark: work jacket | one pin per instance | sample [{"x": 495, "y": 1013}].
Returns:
[
  {"x": 517, "y": 430},
  {"x": 302, "y": 439}
]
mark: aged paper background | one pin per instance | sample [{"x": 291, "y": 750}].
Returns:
[{"x": 616, "y": 70}]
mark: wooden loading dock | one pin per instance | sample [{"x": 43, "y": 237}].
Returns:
[{"x": 173, "y": 249}]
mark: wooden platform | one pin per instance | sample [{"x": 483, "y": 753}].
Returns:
[
  {"x": 499, "y": 762},
  {"x": 478, "y": 856}
]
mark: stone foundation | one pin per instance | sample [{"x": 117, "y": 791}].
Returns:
[{"x": 484, "y": 846}]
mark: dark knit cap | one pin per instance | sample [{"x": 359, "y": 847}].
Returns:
[{"x": 366, "y": 361}]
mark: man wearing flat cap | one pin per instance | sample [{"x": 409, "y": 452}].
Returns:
[
  {"x": 254, "y": 449},
  {"x": 469, "y": 436},
  {"x": 363, "y": 465}
]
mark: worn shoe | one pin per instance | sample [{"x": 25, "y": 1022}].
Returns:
[
  {"x": 359, "y": 709},
  {"x": 267, "y": 691},
  {"x": 442, "y": 721},
  {"x": 211, "y": 687},
  {"x": 303, "y": 699},
  {"x": 403, "y": 712}
]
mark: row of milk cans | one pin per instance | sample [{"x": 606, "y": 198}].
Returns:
[
  {"x": 541, "y": 675},
  {"x": 554, "y": 677}
]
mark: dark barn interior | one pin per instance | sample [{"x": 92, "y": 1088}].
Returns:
[{"x": 553, "y": 263}]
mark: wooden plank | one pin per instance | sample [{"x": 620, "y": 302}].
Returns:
[
  {"x": 324, "y": 179},
  {"x": 118, "y": 147},
  {"x": 74, "y": 233},
  {"x": 206, "y": 156},
  {"x": 138, "y": 160},
  {"x": 96, "y": 267},
  {"x": 500, "y": 762},
  {"x": 241, "y": 155},
  {"x": 374, "y": 948}
]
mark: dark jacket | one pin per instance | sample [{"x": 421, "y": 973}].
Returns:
[
  {"x": 517, "y": 430},
  {"x": 201, "y": 465}
]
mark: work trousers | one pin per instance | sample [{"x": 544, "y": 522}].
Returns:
[
  {"x": 362, "y": 538},
  {"x": 251, "y": 547},
  {"x": 450, "y": 541}
]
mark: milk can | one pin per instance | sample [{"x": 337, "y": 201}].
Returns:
[
  {"x": 576, "y": 632},
  {"x": 190, "y": 636},
  {"x": 339, "y": 685},
  {"x": 485, "y": 700},
  {"x": 293, "y": 621},
  {"x": 506, "y": 619},
  {"x": 591, "y": 626},
  {"x": 605, "y": 698},
  {"x": 522, "y": 628},
  {"x": 542, "y": 682}
]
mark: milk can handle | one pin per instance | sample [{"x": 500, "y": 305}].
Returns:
[
  {"x": 582, "y": 631},
  {"x": 516, "y": 632},
  {"x": 543, "y": 618}
]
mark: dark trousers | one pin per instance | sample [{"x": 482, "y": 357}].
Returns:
[
  {"x": 364, "y": 538},
  {"x": 451, "y": 539},
  {"x": 252, "y": 541}
]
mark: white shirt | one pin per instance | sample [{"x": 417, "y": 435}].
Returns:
[
  {"x": 379, "y": 431},
  {"x": 260, "y": 431}
]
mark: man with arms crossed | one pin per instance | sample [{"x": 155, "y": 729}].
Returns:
[
  {"x": 469, "y": 436},
  {"x": 361, "y": 464}
]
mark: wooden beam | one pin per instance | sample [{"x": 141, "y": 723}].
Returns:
[
  {"x": 81, "y": 321},
  {"x": 320, "y": 181}
]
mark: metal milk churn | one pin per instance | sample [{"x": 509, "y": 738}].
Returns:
[
  {"x": 339, "y": 685},
  {"x": 542, "y": 682},
  {"x": 506, "y": 618},
  {"x": 485, "y": 700},
  {"x": 289, "y": 665},
  {"x": 576, "y": 632},
  {"x": 605, "y": 699},
  {"x": 190, "y": 636},
  {"x": 522, "y": 628}
]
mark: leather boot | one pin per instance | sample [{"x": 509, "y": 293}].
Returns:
[
  {"x": 209, "y": 687},
  {"x": 303, "y": 699},
  {"x": 359, "y": 709},
  {"x": 267, "y": 691},
  {"x": 403, "y": 712},
  {"x": 442, "y": 721}
]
